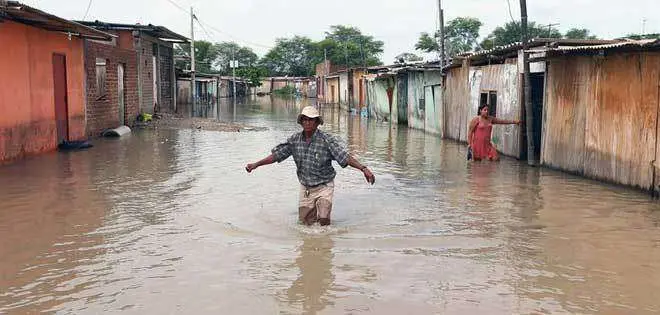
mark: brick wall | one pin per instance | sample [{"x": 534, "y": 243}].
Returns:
[{"x": 103, "y": 110}]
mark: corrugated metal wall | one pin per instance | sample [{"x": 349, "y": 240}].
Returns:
[
  {"x": 378, "y": 101},
  {"x": 464, "y": 86},
  {"x": 423, "y": 112},
  {"x": 472, "y": 107},
  {"x": 502, "y": 78},
  {"x": 456, "y": 98},
  {"x": 601, "y": 116},
  {"x": 416, "y": 104}
]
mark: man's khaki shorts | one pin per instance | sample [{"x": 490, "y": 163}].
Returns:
[{"x": 315, "y": 203}]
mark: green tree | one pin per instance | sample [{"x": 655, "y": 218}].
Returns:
[
  {"x": 205, "y": 56},
  {"x": 253, "y": 75},
  {"x": 512, "y": 32},
  {"x": 290, "y": 56},
  {"x": 346, "y": 45},
  {"x": 428, "y": 43},
  {"x": 225, "y": 50},
  {"x": 342, "y": 45},
  {"x": 579, "y": 33},
  {"x": 460, "y": 36}
]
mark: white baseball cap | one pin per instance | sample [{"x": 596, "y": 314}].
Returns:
[{"x": 311, "y": 112}]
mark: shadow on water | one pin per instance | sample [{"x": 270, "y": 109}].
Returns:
[{"x": 168, "y": 220}]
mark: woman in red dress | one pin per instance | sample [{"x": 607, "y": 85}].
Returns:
[{"x": 481, "y": 128}]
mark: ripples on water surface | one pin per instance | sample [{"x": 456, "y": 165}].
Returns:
[{"x": 168, "y": 221}]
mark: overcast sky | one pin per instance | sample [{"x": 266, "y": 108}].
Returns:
[{"x": 257, "y": 23}]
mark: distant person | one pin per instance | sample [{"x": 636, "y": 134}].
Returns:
[
  {"x": 313, "y": 151},
  {"x": 480, "y": 132}
]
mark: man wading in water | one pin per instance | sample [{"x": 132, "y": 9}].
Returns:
[{"x": 313, "y": 151}]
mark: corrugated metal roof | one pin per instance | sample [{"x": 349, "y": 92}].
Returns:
[
  {"x": 536, "y": 42},
  {"x": 157, "y": 31},
  {"x": 625, "y": 43},
  {"x": 25, "y": 14}
]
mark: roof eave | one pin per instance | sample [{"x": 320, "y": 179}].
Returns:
[
  {"x": 92, "y": 33},
  {"x": 157, "y": 31}
]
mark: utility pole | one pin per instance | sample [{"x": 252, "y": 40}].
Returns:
[
  {"x": 346, "y": 52},
  {"x": 233, "y": 64},
  {"x": 532, "y": 159},
  {"x": 192, "y": 59},
  {"x": 364, "y": 62},
  {"x": 442, "y": 34},
  {"x": 325, "y": 74},
  {"x": 643, "y": 26},
  {"x": 325, "y": 58}
]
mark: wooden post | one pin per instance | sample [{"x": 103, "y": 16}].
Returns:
[{"x": 532, "y": 159}]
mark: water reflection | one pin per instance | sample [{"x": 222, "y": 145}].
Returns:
[
  {"x": 44, "y": 231},
  {"x": 316, "y": 278}
]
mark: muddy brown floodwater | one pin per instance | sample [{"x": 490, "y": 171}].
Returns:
[{"x": 168, "y": 221}]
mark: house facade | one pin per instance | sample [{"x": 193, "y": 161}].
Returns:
[
  {"x": 154, "y": 49},
  {"x": 42, "y": 98},
  {"x": 600, "y": 111}
]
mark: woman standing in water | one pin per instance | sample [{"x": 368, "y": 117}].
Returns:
[{"x": 479, "y": 135}]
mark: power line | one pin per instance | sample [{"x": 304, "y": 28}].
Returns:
[
  {"x": 178, "y": 7},
  {"x": 508, "y": 2},
  {"x": 203, "y": 29},
  {"x": 89, "y": 5},
  {"x": 200, "y": 22},
  {"x": 234, "y": 37}
]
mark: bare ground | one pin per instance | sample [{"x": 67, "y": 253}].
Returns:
[{"x": 173, "y": 121}]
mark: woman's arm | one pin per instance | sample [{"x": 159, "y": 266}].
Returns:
[{"x": 498, "y": 121}]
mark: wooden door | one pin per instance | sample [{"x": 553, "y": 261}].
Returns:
[{"x": 61, "y": 100}]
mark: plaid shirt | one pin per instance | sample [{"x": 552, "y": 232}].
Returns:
[{"x": 313, "y": 160}]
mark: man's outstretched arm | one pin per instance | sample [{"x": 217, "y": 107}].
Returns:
[
  {"x": 353, "y": 162},
  {"x": 265, "y": 161},
  {"x": 280, "y": 153}
]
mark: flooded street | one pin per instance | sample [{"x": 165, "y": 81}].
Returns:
[{"x": 168, "y": 221}]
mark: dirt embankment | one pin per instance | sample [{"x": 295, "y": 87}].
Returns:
[{"x": 166, "y": 120}]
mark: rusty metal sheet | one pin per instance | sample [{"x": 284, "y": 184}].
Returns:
[
  {"x": 619, "y": 146},
  {"x": 601, "y": 116},
  {"x": 415, "y": 99},
  {"x": 503, "y": 79},
  {"x": 456, "y": 99},
  {"x": 474, "y": 89},
  {"x": 569, "y": 86}
]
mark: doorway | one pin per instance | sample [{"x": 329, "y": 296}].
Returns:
[
  {"x": 61, "y": 99},
  {"x": 120, "y": 94},
  {"x": 154, "y": 61},
  {"x": 332, "y": 94},
  {"x": 361, "y": 95},
  {"x": 537, "y": 81}
]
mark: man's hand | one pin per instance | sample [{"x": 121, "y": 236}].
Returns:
[
  {"x": 251, "y": 167},
  {"x": 371, "y": 179}
]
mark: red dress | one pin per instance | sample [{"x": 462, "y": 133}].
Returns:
[{"x": 482, "y": 148}]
